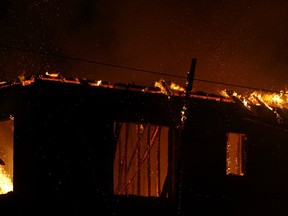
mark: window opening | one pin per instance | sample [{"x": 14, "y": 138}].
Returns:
[
  {"x": 141, "y": 159},
  {"x": 236, "y": 154}
]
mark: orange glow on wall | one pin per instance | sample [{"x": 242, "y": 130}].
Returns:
[
  {"x": 6, "y": 155},
  {"x": 141, "y": 159},
  {"x": 236, "y": 154}
]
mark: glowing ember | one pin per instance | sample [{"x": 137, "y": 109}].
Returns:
[
  {"x": 224, "y": 93},
  {"x": 99, "y": 82},
  {"x": 6, "y": 184},
  {"x": 52, "y": 74}
]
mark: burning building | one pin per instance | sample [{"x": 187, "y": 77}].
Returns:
[{"x": 73, "y": 146}]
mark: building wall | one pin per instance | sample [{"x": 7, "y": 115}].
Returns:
[{"x": 64, "y": 151}]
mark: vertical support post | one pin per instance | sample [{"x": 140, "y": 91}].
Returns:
[
  {"x": 120, "y": 167},
  {"x": 148, "y": 163},
  {"x": 190, "y": 78},
  {"x": 138, "y": 160},
  {"x": 189, "y": 85},
  {"x": 125, "y": 158},
  {"x": 158, "y": 171},
  {"x": 182, "y": 137}
]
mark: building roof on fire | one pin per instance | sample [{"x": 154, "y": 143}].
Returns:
[{"x": 267, "y": 108}]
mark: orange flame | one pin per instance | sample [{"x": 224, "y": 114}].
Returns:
[
  {"x": 279, "y": 100},
  {"x": 6, "y": 184},
  {"x": 176, "y": 87},
  {"x": 160, "y": 85},
  {"x": 272, "y": 99}
]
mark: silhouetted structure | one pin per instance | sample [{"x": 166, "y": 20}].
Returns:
[{"x": 80, "y": 149}]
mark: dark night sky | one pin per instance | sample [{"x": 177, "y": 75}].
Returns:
[{"x": 240, "y": 42}]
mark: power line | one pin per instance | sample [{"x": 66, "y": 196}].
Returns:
[
  {"x": 235, "y": 85},
  {"x": 130, "y": 68},
  {"x": 90, "y": 61}
]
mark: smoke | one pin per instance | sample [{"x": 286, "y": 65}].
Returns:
[{"x": 242, "y": 42}]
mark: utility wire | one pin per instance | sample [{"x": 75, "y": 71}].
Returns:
[
  {"x": 130, "y": 68},
  {"x": 90, "y": 61},
  {"x": 234, "y": 85}
]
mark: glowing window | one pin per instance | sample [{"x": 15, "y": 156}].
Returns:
[
  {"x": 141, "y": 159},
  {"x": 236, "y": 154},
  {"x": 6, "y": 155}
]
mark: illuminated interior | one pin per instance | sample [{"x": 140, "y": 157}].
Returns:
[
  {"x": 141, "y": 159},
  {"x": 236, "y": 154},
  {"x": 6, "y": 155}
]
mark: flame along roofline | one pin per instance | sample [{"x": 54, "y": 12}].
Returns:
[
  {"x": 25, "y": 81},
  {"x": 276, "y": 116}
]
